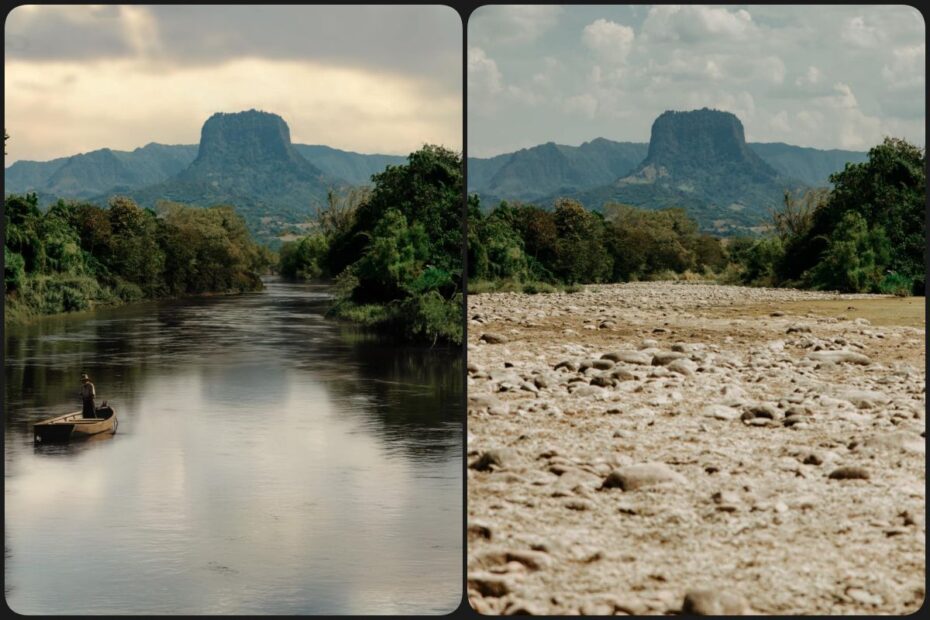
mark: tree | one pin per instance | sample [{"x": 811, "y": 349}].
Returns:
[{"x": 581, "y": 254}]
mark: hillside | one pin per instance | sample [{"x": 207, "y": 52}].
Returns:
[{"x": 698, "y": 160}]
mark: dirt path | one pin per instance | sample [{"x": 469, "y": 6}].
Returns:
[{"x": 763, "y": 449}]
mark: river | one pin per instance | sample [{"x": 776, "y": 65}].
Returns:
[{"x": 267, "y": 461}]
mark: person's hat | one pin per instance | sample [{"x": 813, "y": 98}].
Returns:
[{"x": 84, "y": 377}]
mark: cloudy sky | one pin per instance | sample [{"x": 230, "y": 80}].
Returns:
[
  {"x": 824, "y": 76},
  {"x": 368, "y": 79}
]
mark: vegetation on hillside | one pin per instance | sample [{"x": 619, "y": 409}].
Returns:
[
  {"x": 394, "y": 251},
  {"x": 76, "y": 255},
  {"x": 865, "y": 235}
]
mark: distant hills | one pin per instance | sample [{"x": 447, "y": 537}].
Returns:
[
  {"x": 245, "y": 159},
  {"x": 698, "y": 160}
]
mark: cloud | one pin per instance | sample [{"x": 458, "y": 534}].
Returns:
[
  {"x": 483, "y": 74},
  {"x": 857, "y": 32},
  {"x": 124, "y": 104},
  {"x": 610, "y": 40},
  {"x": 584, "y": 104},
  {"x": 513, "y": 24},
  {"x": 422, "y": 40},
  {"x": 791, "y": 73},
  {"x": 695, "y": 23},
  {"x": 366, "y": 78},
  {"x": 906, "y": 67}
]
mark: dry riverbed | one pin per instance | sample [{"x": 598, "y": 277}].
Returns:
[{"x": 650, "y": 448}]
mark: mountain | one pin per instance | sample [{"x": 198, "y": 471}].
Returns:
[
  {"x": 245, "y": 159},
  {"x": 530, "y": 174},
  {"x": 810, "y": 166},
  {"x": 93, "y": 173},
  {"x": 354, "y": 168},
  {"x": 698, "y": 160}
]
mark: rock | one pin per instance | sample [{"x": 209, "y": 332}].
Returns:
[
  {"x": 664, "y": 358},
  {"x": 523, "y": 608},
  {"x": 849, "y": 473},
  {"x": 489, "y": 584},
  {"x": 602, "y": 364},
  {"x": 629, "y": 357},
  {"x": 589, "y": 391},
  {"x": 642, "y": 475},
  {"x": 493, "y": 338},
  {"x": 837, "y": 357},
  {"x": 579, "y": 504},
  {"x": 798, "y": 329},
  {"x": 864, "y": 597},
  {"x": 864, "y": 399},
  {"x": 715, "y": 602},
  {"x": 622, "y": 374},
  {"x": 489, "y": 460},
  {"x": 720, "y": 412},
  {"x": 683, "y": 366},
  {"x": 478, "y": 530},
  {"x": 604, "y": 380},
  {"x": 568, "y": 364}
]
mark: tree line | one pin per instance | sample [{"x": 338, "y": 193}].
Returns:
[
  {"x": 75, "y": 255},
  {"x": 394, "y": 250},
  {"x": 866, "y": 234}
]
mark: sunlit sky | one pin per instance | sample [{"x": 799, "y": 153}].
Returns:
[
  {"x": 372, "y": 79},
  {"x": 819, "y": 76}
]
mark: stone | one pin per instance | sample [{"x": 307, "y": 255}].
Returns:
[
  {"x": 664, "y": 358},
  {"x": 632, "y": 477},
  {"x": 720, "y": 412},
  {"x": 489, "y": 460},
  {"x": 849, "y": 473},
  {"x": 489, "y": 584},
  {"x": 629, "y": 357},
  {"x": 683, "y": 366},
  {"x": 838, "y": 357},
  {"x": 713, "y": 602},
  {"x": 493, "y": 338}
]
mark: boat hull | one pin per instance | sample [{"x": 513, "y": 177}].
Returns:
[{"x": 73, "y": 426}]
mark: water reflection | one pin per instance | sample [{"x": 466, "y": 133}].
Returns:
[{"x": 267, "y": 461}]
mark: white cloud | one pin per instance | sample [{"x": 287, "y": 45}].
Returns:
[
  {"x": 584, "y": 104},
  {"x": 124, "y": 104},
  {"x": 810, "y": 77},
  {"x": 857, "y": 32},
  {"x": 792, "y": 74},
  {"x": 694, "y": 23},
  {"x": 513, "y": 24},
  {"x": 610, "y": 40},
  {"x": 906, "y": 68},
  {"x": 483, "y": 74}
]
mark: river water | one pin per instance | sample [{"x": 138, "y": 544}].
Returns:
[{"x": 267, "y": 460}]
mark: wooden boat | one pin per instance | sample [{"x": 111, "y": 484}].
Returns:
[{"x": 71, "y": 426}]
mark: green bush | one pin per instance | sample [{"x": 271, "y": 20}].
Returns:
[{"x": 896, "y": 284}]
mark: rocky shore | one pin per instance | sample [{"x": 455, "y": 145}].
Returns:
[{"x": 652, "y": 448}]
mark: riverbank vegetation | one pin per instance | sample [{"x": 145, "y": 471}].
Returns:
[
  {"x": 75, "y": 256},
  {"x": 394, "y": 250},
  {"x": 866, "y": 234}
]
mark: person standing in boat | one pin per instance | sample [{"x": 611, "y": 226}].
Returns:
[{"x": 88, "y": 396}]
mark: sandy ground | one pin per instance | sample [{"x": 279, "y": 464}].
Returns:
[{"x": 737, "y": 451}]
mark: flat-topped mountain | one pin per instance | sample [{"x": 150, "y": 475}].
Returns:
[
  {"x": 245, "y": 159},
  {"x": 699, "y": 160}
]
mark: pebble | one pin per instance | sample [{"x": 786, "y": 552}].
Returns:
[
  {"x": 849, "y": 473},
  {"x": 849, "y": 357},
  {"x": 708, "y": 602},
  {"x": 489, "y": 460},
  {"x": 493, "y": 338},
  {"x": 642, "y": 475}
]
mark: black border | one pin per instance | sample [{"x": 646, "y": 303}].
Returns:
[{"x": 465, "y": 8}]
